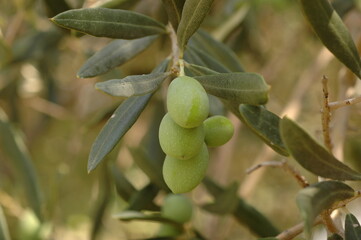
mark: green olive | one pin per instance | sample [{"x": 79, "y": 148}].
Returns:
[
  {"x": 182, "y": 176},
  {"x": 218, "y": 130},
  {"x": 187, "y": 102},
  {"x": 169, "y": 230},
  {"x": 179, "y": 142},
  {"x": 177, "y": 208}
]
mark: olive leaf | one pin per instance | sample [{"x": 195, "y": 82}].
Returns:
[
  {"x": 193, "y": 14},
  {"x": 124, "y": 188},
  {"x": 316, "y": 198},
  {"x": 132, "y": 85},
  {"x": 143, "y": 199},
  {"x": 333, "y": 33},
  {"x": 111, "y": 23},
  {"x": 131, "y": 215},
  {"x": 334, "y": 236},
  {"x": 312, "y": 156},
  {"x": 174, "y": 11},
  {"x": 352, "y": 228},
  {"x": 265, "y": 124},
  {"x": 114, "y": 54},
  {"x": 13, "y": 145},
  {"x": 248, "y": 88},
  {"x": 196, "y": 70},
  {"x": 219, "y": 51}
]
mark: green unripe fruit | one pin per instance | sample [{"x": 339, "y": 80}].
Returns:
[
  {"x": 178, "y": 142},
  {"x": 187, "y": 102},
  {"x": 218, "y": 130},
  {"x": 182, "y": 176},
  {"x": 169, "y": 230},
  {"x": 177, "y": 208}
]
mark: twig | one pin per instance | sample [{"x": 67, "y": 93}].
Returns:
[
  {"x": 326, "y": 115},
  {"x": 294, "y": 231},
  {"x": 175, "y": 55},
  {"x": 285, "y": 166},
  {"x": 347, "y": 102}
]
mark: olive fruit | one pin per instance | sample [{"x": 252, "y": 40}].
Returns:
[
  {"x": 178, "y": 142},
  {"x": 169, "y": 230},
  {"x": 187, "y": 102},
  {"x": 182, "y": 176},
  {"x": 218, "y": 130},
  {"x": 177, "y": 208}
]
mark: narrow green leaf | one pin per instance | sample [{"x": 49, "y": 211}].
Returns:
[
  {"x": 132, "y": 85},
  {"x": 111, "y": 23},
  {"x": 196, "y": 70},
  {"x": 245, "y": 214},
  {"x": 193, "y": 14},
  {"x": 352, "y": 228},
  {"x": 124, "y": 188},
  {"x": 225, "y": 203},
  {"x": 174, "y": 11},
  {"x": 334, "y": 236},
  {"x": 122, "y": 119},
  {"x": 265, "y": 124},
  {"x": 312, "y": 156},
  {"x": 130, "y": 215},
  {"x": 248, "y": 88},
  {"x": 333, "y": 33},
  {"x": 204, "y": 41},
  {"x": 268, "y": 238},
  {"x": 113, "y": 55},
  {"x": 4, "y": 231},
  {"x": 119, "y": 123},
  {"x": 316, "y": 198},
  {"x": 143, "y": 199},
  {"x": 207, "y": 60},
  {"x": 12, "y": 144}
]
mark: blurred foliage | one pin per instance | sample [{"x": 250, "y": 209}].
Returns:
[{"x": 56, "y": 119}]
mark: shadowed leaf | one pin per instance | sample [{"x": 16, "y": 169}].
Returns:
[
  {"x": 143, "y": 199},
  {"x": 352, "y": 228},
  {"x": 265, "y": 124},
  {"x": 138, "y": 216},
  {"x": 124, "y": 188},
  {"x": 113, "y": 55},
  {"x": 248, "y": 88},
  {"x": 132, "y": 85},
  {"x": 4, "y": 231},
  {"x": 174, "y": 11},
  {"x": 334, "y": 236},
  {"x": 12, "y": 144},
  {"x": 196, "y": 70},
  {"x": 333, "y": 33},
  {"x": 316, "y": 198},
  {"x": 312, "y": 156},
  {"x": 193, "y": 14},
  {"x": 111, "y": 23}
]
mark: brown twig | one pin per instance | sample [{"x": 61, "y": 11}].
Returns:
[
  {"x": 326, "y": 115},
  {"x": 347, "y": 102},
  {"x": 285, "y": 166},
  {"x": 294, "y": 231}
]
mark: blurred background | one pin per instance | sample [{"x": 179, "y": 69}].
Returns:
[{"x": 52, "y": 117}]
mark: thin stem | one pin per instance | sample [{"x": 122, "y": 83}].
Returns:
[
  {"x": 347, "y": 102},
  {"x": 285, "y": 166},
  {"x": 175, "y": 49},
  {"x": 326, "y": 115},
  {"x": 294, "y": 231}
]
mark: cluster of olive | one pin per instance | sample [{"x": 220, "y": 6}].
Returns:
[{"x": 185, "y": 132}]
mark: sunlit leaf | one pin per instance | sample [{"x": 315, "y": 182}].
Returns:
[
  {"x": 143, "y": 199},
  {"x": 245, "y": 214},
  {"x": 119, "y": 123},
  {"x": 124, "y": 188},
  {"x": 312, "y": 156},
  {"x": 130, "y": 215},
  {"x": 352, "y": 228},
  {"x": 12, "y": 144},
  {"x": 112, "y": 23},
  {"x": 248, "y": 88},
  {"x": 316, "y": 198},
  {"x": 174, "y": 11},
  {"x": 4, "y": 231},
  {"x": 225, "y": 202},
  {"x": 193, "y": 14},
  {"x": 204, "y": 41},
  {"x": 333, "y": 33},
  {"x": 265, "y": 124},
  {"x": 114, "y": 54},
  {"x": 134, "y": 85}
]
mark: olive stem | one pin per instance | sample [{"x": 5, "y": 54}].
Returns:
[
  {"x": 326, "y": 115},
  {"x": 181, "y": 67}
]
